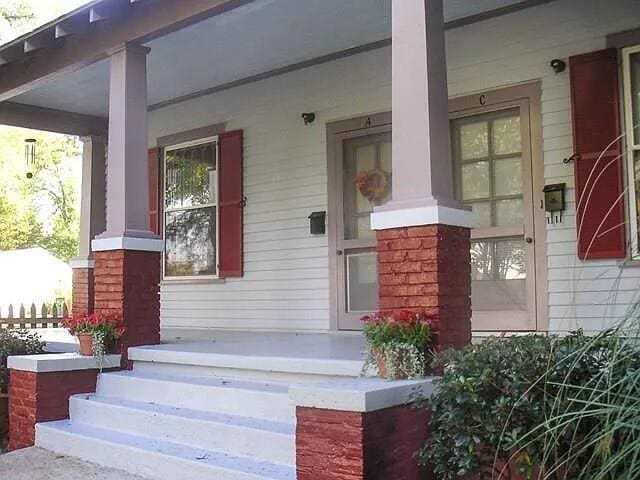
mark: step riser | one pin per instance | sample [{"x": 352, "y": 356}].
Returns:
[
  {"x": 230, "y": 373},
  {"x": 257, "y": 404},
  {"x": 132, "y": 460},
  {"x": 232, "y": 439}
]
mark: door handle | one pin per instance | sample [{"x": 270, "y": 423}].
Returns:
[
  {"x": 339, "y": 253},
  {"x": 528, "y": 239}
]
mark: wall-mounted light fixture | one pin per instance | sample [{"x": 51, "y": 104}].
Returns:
[
  {"x": 30, "y": 155},
  {"x": 308, "y": 117},
  {"x": 558, "y": 65}
]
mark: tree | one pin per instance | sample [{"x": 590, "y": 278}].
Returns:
[{"x": 15, "y": 18}]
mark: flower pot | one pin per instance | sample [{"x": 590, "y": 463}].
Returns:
[
  {"x": 4, "y": 417},
  {"x": 86, "y": 344},
  {"x": 401, "y": 373}
]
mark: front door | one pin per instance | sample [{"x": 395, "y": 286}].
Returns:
[
  {"x": 494, "y": 175},
  {"x": 362, "y": 178}
]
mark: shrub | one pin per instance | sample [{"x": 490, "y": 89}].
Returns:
[
  {"x": 16, "y": 342},
  {"x": 494, "y": 397}
]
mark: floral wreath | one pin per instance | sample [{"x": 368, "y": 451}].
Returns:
[{"x": 373, "y": 184}]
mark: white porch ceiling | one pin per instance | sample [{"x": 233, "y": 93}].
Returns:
[{"x": 259, "y": 37}]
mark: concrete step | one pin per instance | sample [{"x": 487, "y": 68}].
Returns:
[
  {"x": 235, "y": 435},
  {"x": 152, "y": 458},
  {"x": 236, "y": 397},
  {"x": 190, "y": 359}
]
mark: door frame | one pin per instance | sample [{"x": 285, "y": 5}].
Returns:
[
  {"x": 491, "y": 99},
  {"x": 337, "y": 132},
  {"x": 528, "y": 97}
]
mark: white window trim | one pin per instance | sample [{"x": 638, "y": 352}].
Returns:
[
  {"x": 178, "y": 146},
  {"x": 631, "y": 148}
]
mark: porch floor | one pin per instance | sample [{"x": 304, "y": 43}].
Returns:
[
  {"x": 340, "y": 354},
  {"x": 335, "y": 346}
]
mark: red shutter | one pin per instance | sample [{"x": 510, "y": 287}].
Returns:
[
  {"x": 598, "y": 176},
  {"x": 230, "y": 204},
  {"x": 154, "y": 190}
]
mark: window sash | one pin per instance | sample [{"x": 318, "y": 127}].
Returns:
[
  {"x": 203, "y": 206},
  {"x": 632, "y": 148}
]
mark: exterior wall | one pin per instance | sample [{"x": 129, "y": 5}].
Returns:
[
  {"x": 286, "y": 280},
  {"x": 286, "y": 284}
]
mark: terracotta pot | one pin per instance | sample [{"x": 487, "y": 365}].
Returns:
[
  {"x": 4, "y": 417},
  {"x": 86, "y": 344}
]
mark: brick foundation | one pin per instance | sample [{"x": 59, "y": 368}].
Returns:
[
  {"x": 127, "y": 283},
  {"x": 379, "y": 445},
  {"x": 82, "y": 293},
  {"x": 428, "y": 268},
  {"x": 42, "y": 397}
]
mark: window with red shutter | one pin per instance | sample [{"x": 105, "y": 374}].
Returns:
[
  {"x": 600, "y": 217},
  {"x": 230, "y": 204}
]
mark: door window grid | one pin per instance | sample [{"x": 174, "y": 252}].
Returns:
[
  {"x": 490, "y": 201},
  {"x": 357, "y": 209}
]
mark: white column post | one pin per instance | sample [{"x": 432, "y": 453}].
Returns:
[
  {"x": 92, "y": 198},
  {"x": 127, "y": 170},
  {"x": 423, "y": 192}
]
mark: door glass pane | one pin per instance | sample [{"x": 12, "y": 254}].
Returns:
[
  {"x": 635, "y": 94},
  {"x": 498, "y": 275},
  {"x": 507, "y": 175},
  {"x": 506, "y": 137},
  {"x": 362, "y": 282},
  {"x": 366, "y": 182},
  {"x": 475, "y": 180},
  {"x": 481, "y": 212},
  {"x": 474, "y": 140},
  {"x": 509, "y": 213}
]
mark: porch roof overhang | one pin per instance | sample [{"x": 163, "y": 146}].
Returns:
[{"x": 197, "y": 47}]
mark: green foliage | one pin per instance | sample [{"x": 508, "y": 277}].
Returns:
[
  {"x": 43, "y": 210},
  {"x": 16, "y": 342},
  {"x": 513, "y": 403}
]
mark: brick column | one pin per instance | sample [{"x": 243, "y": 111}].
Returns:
[
  {"x": 40, "y": 387},
  {"x": 127, "y": 284},
  {"x": 428, "y": 269},
  {"x": 82, "y": 291},
  {"x": 360, "y": 430}
]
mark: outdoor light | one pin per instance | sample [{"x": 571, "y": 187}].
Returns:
[
  {"x": 30, "y": 155},
  {"x": 558, "y": 65},
  {"x": 308, "y": 118}
]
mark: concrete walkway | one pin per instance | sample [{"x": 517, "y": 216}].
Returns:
[{"x": 38, "y": 464}]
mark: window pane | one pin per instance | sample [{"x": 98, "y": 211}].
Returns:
[
  {"x": 475, "y": 180},
  {"x": 481, "y": 212},
  {"x": 481, "y": 260},
  {"x": 635, "y": 95},
  {"x": 474, "y": 141},
  {"x": 190, "y": 176},
  {"x": 190, "y": 242},
  {"x": 507, "y": 175},
  {"x": 506, "y": 135},
  {"x": 362, "y": 278},
  {"x": 509, "y": 212}
]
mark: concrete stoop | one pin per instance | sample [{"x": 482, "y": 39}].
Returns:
[{"x": 174, "y": 418}]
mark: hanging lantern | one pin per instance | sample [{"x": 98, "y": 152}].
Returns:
[{"x": 30, "y": 155}]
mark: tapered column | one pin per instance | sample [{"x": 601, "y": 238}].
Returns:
[
  {"x": 127, "y": 254},
  {"x": 92, "y": 220},
  {"x": 423, "y": 233}
]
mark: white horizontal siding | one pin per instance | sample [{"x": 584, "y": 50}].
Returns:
[{"x": 286, "y": 281}]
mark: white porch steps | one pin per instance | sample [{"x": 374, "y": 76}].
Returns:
[
  {"x": 202, "y": 410},
  {"x": 169, "y": 427}
]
